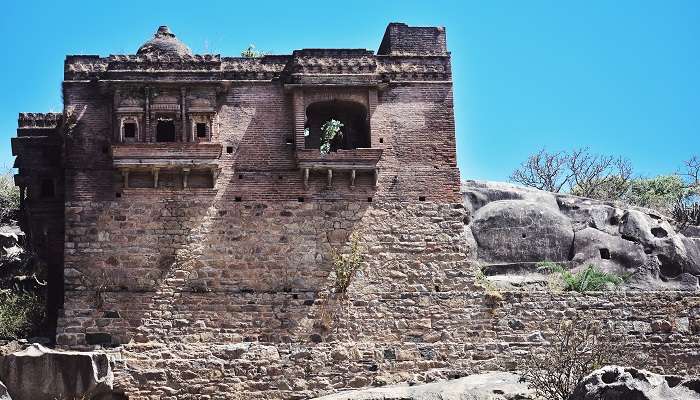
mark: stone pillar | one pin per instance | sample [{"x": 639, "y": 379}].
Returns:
[
  {"x": 372, "y": 100},
  {"x": 299, "y": 118},
  {"x": 147, "y": 129},
  {"x": 183, "y": 98}
]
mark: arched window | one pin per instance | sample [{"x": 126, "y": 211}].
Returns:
[
  {"x": 130, "y": 129},
  {"x": 352, "y": 115},
  {"x": 165, "y": 130}
]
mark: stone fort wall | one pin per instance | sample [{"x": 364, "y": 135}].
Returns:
[{"x": 259, "y": 322}]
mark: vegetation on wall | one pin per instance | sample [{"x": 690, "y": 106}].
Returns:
[
  {"x": 252, "y": 52},
  {"x": 590, "y": 278},
  {"x": 329, "y": 131},
  {"x": 346, "y": 266}
]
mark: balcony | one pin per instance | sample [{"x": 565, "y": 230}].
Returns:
[
  {"x": 362, "y": 159},
  {"x": 166, "y": 155},
  {"x": 182, "y": 165}
]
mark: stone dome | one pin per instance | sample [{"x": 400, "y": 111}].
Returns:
[{"x": 164, "y": 42}]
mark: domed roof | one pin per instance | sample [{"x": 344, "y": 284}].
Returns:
[{"x": 164, "y": 42}]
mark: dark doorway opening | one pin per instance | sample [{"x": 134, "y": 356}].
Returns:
[
  {"x": 201, "y": 129},
  {"x": 352, "y": 115},
  {"x": 165, "y": 130},
  {"x": 129, "y": 130}
]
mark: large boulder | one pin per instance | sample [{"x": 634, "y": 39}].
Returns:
[
  {"x": 618, "y": 383},
  {"x": 38, "y": 373},
  {"x": 486, "y": 386},
  {"x": 514, "y": 228},
  {"x": 521, "y": 231}
]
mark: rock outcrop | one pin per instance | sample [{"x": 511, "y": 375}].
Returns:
[
  {"x": 38, "y": 373},
  {"x": 3, "y": 393},
  {"x": 513, "y": 228},
  {"x": 614, "y": 383},
  {"x": 486, "y": 386}
]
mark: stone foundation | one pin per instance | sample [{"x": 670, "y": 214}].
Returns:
[{"x": 241, "y": 307}]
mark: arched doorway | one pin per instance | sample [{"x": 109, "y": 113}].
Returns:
[
  {"x": 352, "y": 115},
  {"x": 165, "y": 130}
]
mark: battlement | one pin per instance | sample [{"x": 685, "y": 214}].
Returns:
[
  {"x": 401, "y": 39},
  {"x": 405, "y": 52},
  {"x": 39, "y": 120}
]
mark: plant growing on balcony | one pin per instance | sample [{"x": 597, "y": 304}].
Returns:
[{"x": 329, "y": 130}]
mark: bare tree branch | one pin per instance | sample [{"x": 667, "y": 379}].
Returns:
[
  {"x": 580, "y": 172},
  {"x": 691, "y": 172},
  {"x": 544, "y": 171}
]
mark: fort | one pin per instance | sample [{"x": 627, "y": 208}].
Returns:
[{"x": 189, "y": 218}]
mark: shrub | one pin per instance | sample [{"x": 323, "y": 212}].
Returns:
[
  {"x": 659, "y": 193},
  {"x": 576, "y": 348},
  {"x": 9, "y": 197},
  {"x": 251, "y": 52},
  {"x": 686, "y": 213},
  {"x": 591, "y": 278},
  {"x": 346, "y": 266},
  {"x": 20, "y": 313},
  {"x": 329, "y": 130}
]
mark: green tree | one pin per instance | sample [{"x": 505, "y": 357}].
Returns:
[
  {"x": 9, "y": 197},
  {"x": 660, "y": 192}
]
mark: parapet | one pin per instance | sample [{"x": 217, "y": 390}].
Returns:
[
  {"x": 403, "y": 40},
  {"x": 38, "y": 120}
]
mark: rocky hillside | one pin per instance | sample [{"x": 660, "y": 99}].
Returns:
[{"x": 512, "y": 229}]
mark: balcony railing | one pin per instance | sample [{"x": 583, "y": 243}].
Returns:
[
  {"x": 166, "y": 154},
  {"x": 363, "y": 159}
]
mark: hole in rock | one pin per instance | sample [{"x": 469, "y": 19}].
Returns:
[
  {"x": 369, "y": 199},
  {"x": 630, "y": 238},
  {"x": 669, "y": 268},
  {"x": 237, "y": 199},
  {"x": 118, "y": 195},
  {"x": 381, "y": 140},
  {"x": 693, "y": 385},
  {"x": 229, "y": 149},
  {"x": 609, "y": 377},
  {"x": 659, "y": 232},
  {"x": 673, "y": 381},
  {"x": 421, "y": 198},
  {"x": 524, "y": 235},
  {"x": 300, "y": 199},
  {"x": 605, "y": 254}
]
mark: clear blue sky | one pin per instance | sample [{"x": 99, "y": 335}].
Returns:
[{"x": 622, "y": 77}]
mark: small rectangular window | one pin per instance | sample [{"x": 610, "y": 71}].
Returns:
[
  {"x": 201, "y": 129},
  {"x": 129, "y": 130}
]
